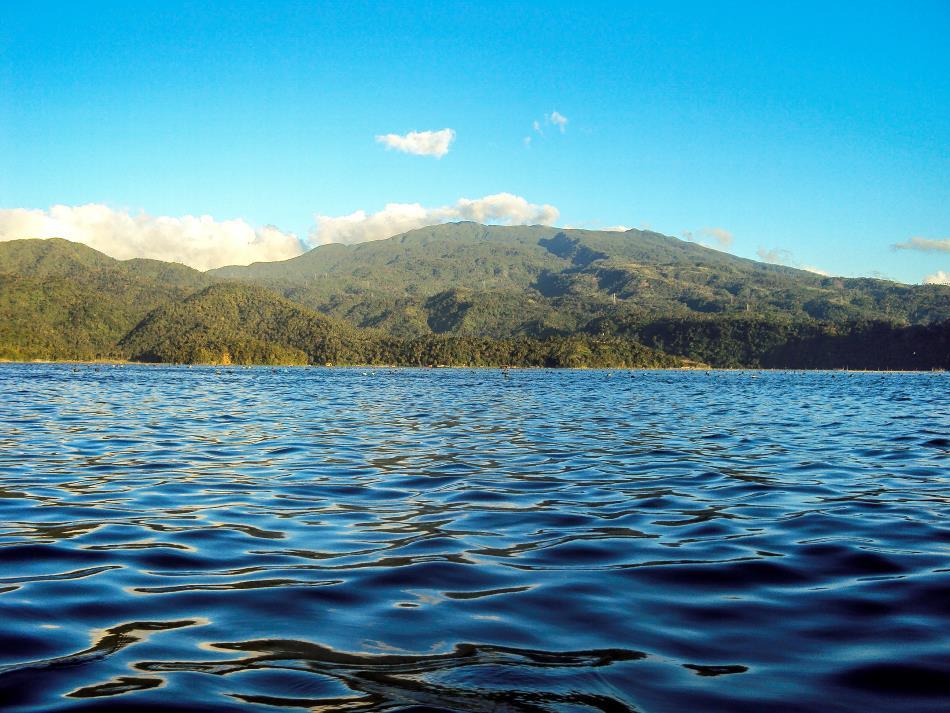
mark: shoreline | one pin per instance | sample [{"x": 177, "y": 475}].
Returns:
[{"x": 122, "y": 363}]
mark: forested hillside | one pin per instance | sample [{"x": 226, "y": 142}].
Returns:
[
  {"x": 63, "y": 300},
  {"x": 465, "y": 293},
  {"x": 467, "y": 278},
  {"x": 247, "y": 324}
]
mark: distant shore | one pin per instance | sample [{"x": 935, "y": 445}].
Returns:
[{"x": 377, "y": 367}]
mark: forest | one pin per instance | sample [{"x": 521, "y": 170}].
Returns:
[{"x": 464, "y": 294}]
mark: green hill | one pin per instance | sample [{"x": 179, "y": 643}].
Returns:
[
  {"x": 465, "y": 293},
  {"x": 242, "y": 324},
  {"x": 247, "y": 324},
  {"x": 466, "y": 278},
  {"x": 63, "y": 300}
]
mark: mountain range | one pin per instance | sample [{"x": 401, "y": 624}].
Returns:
[{"x": 465, "y": 293}]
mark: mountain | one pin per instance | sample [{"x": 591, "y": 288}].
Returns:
[
  {"x": 464, "y": 293},
  {"x": 243, "y": 324},
  {"x": 64, "y": 300},
  {"x": 248, "y": 324},
  {"x": 466, "y": 278}
]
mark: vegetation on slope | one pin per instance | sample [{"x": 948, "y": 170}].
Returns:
[
  {"x": 468, "y": 294},
  {"x": 247, "y": 324},
  {"x": 465, "y": 278},
  {"x": 63, "y": 300},
  {"x": 774, "y": 343}
]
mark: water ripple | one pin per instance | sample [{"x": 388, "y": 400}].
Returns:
[{"x": 408, "y": 540}]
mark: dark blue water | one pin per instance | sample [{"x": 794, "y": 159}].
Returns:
[{"x": 347, "y": 539}]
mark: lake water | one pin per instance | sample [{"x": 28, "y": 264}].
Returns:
[{"x": 367, "y": 540}]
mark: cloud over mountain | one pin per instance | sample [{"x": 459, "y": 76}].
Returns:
[
  {"x": 721, "y": 238},
  {"x": 924, "y": 245},
  {"x": 780, "y": 256},
  {"x": 395, "y": 218},
  {"x": 203, "y": 242},
  {"x": 199, "y": 241},
  {"x": 420, "y": 143},
  {"x": 940, "y": 277}
]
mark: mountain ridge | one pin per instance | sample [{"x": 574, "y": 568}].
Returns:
[
  {"x": 647, "y": 273},
  {"x": 474, "y": 284}
]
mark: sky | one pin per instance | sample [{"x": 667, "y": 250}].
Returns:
[{"x": 812, "y": 134}]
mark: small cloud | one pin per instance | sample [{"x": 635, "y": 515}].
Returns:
[
  {"x": 527, "y": 141},
  {"x": 779, "y": 256},
  {"x": 396, "y": 218},
  {"x": 715, "y": 238},
  {"x": 557, "y": 119},
  {"x": 420, "y": 143},
  {"x": 924, "y": 245},
  {"x": 720, "y": 235},
  {"x": 940, "y": 277},
  {"x": 616, "y": 229},
  {"x": 776, "y": 256},
  {"x": 199, "y": 241}
]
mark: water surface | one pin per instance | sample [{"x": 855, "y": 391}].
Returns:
[{"x": 375, "y": 540}]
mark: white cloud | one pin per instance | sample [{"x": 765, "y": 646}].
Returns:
[
  {"x": 616, "y": 229},
  {"x": 720, "y": 235},
  {"x": 557, "y": 119},
  {"x": 924, "y": 245},
  {"x": 420, "y": 143},
  {"x": 938, "y": 278},
  {"x": 715, "y": 238},
  {"x": 776, "y": 256},
  {"x": 779, "y": 256},
  {"x": 396, "y": 218},
  {"x": 199, "y": 241}
]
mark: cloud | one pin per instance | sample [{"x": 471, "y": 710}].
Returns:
[
  {"x": 715, "y": 238},
  {"x": 557, "y": 119},
  {"x": 420, "y": 143},
  {"x": 776, "y": 256},
  {"x": 616, "y": 229},
  {"x": 938, "y": 278},
  {"x": 779, "y": 256},
  {"x": 396, "y": 218},
  {"x": 720, "y": 235},
  {"x": 924, "y": 245},
  {"x": 204, "y": 243},
  {"x": 199, "y": 241}
]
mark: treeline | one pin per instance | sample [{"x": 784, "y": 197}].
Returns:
[
  {"x": 246, "y": 324},
  {"x": 565, "y": 352},
  {"x": 775, "y": 344}
]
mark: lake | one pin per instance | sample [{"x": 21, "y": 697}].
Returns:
[{"x": 473, "y": 540}]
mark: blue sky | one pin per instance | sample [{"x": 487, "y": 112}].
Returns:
[{"x": 812, "y": 134}]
